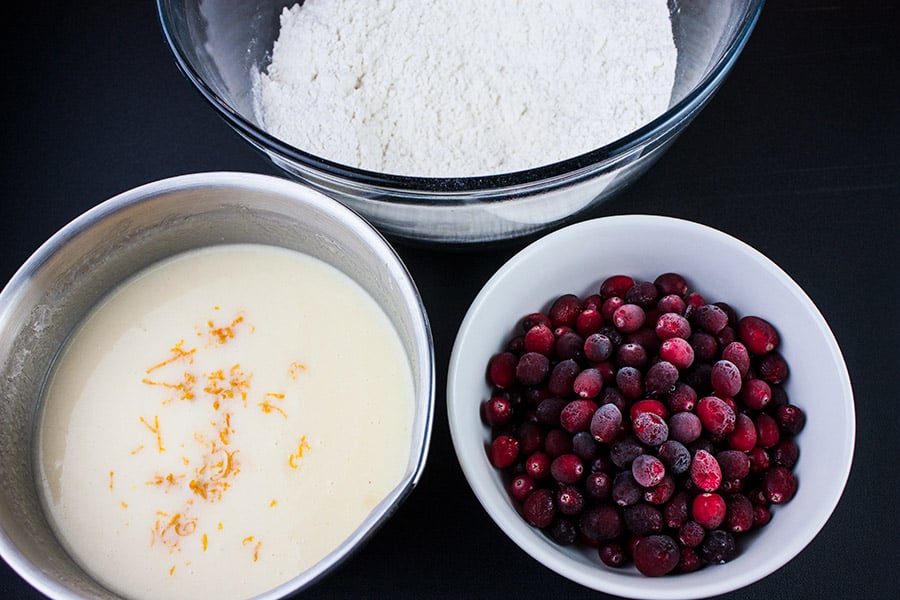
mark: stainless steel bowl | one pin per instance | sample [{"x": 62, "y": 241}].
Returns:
[
  {"x": 218, "y": 44},
  {"x": 51, "y": 293}
]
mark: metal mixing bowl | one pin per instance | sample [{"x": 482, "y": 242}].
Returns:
[{"x": 219, "y": 44}]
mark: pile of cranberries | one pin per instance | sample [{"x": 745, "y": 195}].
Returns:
[{"x": 644, "y": 422}]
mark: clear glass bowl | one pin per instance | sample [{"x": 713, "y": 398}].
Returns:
[{"x": 219, "y": 44}]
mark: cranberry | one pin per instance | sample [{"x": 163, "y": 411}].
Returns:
[
  {"x": 677, "y": 510},
  {"x": 790, "y": 418},
  {"x": 682, "y": 398},
  {"x": 773, "y": 368},
  {"x": 743, "y": 437},
  {"x": 530, "y": 437},
  {"x": 691, "y": 534},
  {"x": 708, "y": 509},
  {"x": 767, "y": 432},
  {"x": 690, "y": 561},
  {"x": 718, "y": 547},
  {"x": 716, "y": 415},
  {"x": 497, "y": 411},
  {"x": 612, "y": 554},
  {"x": 585, "y": 446},
  {"x": 521, "y": 486},
  {"x": 672, "y": 325},
  {"x": 734, "y": 464},
  {"x": 710, "y": 318},
  {"x": 557, "y": 442},
  {"x": 589, "y": 321},
  {"x": 675, "y": 456},
  {"x": 532, "y": 368},
  {"x": 540, "y": 339},
  {"x": 628, "y": 317},
  {"x": 725, "y": 378},
  {"x": 504, "y": 451},
  {"x": 624, "y": 450},
  {"x": 650, "y": 428},
  {"x": 598, "y": 485},
  {"x": 597, "y": 347},
  {"x": 648, "y": 405},
  {"x": 502, "y": 369},
  {"x": 536, "y": 318},
  {"x": 693, "y": 301},
  {"x": 704, "y": 345},
  {"x": 647, "y": 470},
  {"x": 662, "y": 492},
  {"x": 660, "y": 378},
  {"x": 757, "y": 334},
  {"x": 671, "y": 283},
  {"x": 759, "y": 460},
  {"x": 567, "y": 468},
  {"x": 786, "y": 453},
  {"x": 562, "y": 377},
  {"x": 755, "y": 394},
  {"x": 548, "y": 411},
  {"x": 705, "y": 471},
  {"x": 642, "y": 293},
  {"x": 779, "y": 484},
  {"x": 615, "y": 285},
  {"x": 539, "y": 508},
  {"x": 737, "y": 353},
  {"x": 601, "y": 522},
  {"x": 685, "y": 427},
  {"x": 537, "y": 466},
  {"x": 656, "y": 555},
  {"x": 609, "y": 307},
  {"x": 630, "y": 382},
  {"x": 643, "y": 519},
  {"x": 569, "y": 345},
  {"x": 625, "y": 490},
  {"x": 631, "y": 355},
  {"x": 761, "y": 515},
  {"x": 564, "y": 531},
  {"x": 605, "y": 423},
  {"x": 588, "y": 383},
  {"x": 564, "y": 310},
  {"x": 576, "y": 415},
  {"x": 677, "y": 351},
  {"x": 738, "y": 514},
  {"x": 671, "y": 303},
  {"x": 569, "y": 500}
]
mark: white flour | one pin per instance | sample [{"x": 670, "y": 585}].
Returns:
[{"x": 465, "y": 87}]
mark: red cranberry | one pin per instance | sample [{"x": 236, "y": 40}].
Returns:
[
  {"x": 660, "y": 378},
  {"x": 656, "y": 555},
  {"x": 539, "y": 508},
  {"x": 537, "y": 466},
  {"x": 642, "y": 293},
  {"x": 613, "y": 554},
  {"x": 502, "y": 369},
  {"x": 569, "y": 500},
  {"x": 540, "y": 339},
  {"x": 564, "y": 310},
  {"x": 677, "y": 351},
  {"x": 691, "y": 534},
  {"x": 757, "y": 334},
  {"x": 504, "y": 451},
  {"x": 631, "y": 355},
  {"x": 532, "y": 368},
  {"x": 716, "y": 415},
  {"x": 521, "y": 486},
  {"x": 690, "y": 561},
  {"x": 671, "y": 303},
  {"x": 767, "y": 432},
  {"x": 597, "y": 347},
  {"x": 615, "y": 285},
  {"x": 643, "y": 519},
  {"x": 662, "y": 492},
  {"x": 790, "y": 418},
  {"x": 576, "y": 415},
  {"x": 536, "y": 318},
  {"x": 650, "y": 428},
  {"x": 672, "y": 325},
  {"x": 743, "y": 437},
  {"x": 498, "y": 411},
  {"x": 685, "y": 427},
  {"x": 589, "y": 321},
  {"x": 630, "y": 382},
  {"x": 647, "y": 470},
  {"x": 671, "y": 283},
  {"x": 780, "y": 484},
  {"x": 683, "y": 398},
  {"x": 567, "y": 468},
  {"x": 705, "y": 471},
  {"x": 755, "y": 394},
  {"x": 725, "y": 378},
  {"x": 739, "y": 513},
  {"x": 704, "y": 345},
  {"x": 708, "y": 509},
  {"x": 710, "y": 318},
  {"x": 562, "y": 377},
  {"x": 628, "y": 318},
  {"x": 605, "y": 423},
  {"x": 773, "y": 368},
  {"x": 601, "y": 522},
  {"x": 598, "y": 485},
  {"x": 737, "y": 353}
]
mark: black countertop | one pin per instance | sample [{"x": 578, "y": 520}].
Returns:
[{"x": 798, "y": 155}]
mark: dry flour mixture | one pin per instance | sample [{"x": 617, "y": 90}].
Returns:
[{"x": 468, "y": 87}]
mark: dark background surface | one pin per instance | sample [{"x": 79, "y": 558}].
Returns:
[{"x": 798, "y": 155}]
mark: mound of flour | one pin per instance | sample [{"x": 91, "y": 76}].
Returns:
[{"x": 464, "y": 87}]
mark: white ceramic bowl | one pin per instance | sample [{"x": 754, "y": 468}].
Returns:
[
  {"x": 576, "y": 259},
  {"x": 59, "y": 284}
]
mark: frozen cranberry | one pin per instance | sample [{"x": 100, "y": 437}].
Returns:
[
  {"x": 708, "y": 509},
  {"x": 710, "y": 318},
  {"x": 671, "y": 303},
  {"x": 588, "y": 321},
  {"x": 567, "y": 468},
  {"x": 647, "y": 470},
  {"x": 716, "y": 415},
  {"x": 780, "y": 484},
  {"x": 585, "y": 446},
  {"x": 642, "y": 293},
  {"x": 743, "y": 437},
  {"x": 497, "y": 411},
  {"x": 725, "y": 378},
  {"x": 677, "y": 510},
  {"x": 624, "y": 450},
  {"x": 569, "y": 345},
  {"x": 539, "y": 508},
  {"x": 631, "y": 355},
  {"x": 548, "y": 411},
  {"x": 576, "y": 415},
  {"x": 650, "y": 428},
  {"x": 691, "y": 534},
  {"x": 645, "y": 336},
  {"x": 656, "y": 555},
  {"x": 693, "y": 301},
  {"x": 759, "y": 460},
  {"x": 609, "y": 307},
  {"x": 615, "y": 285},
  {"x": 625, "y": 490},
  {"x": 705, "y": 471},
  {"x": 537, "y": 466},
  {"x": 662, "y": 491},
  {"x": 521, "y": 486},
  {"x": 648, "y": 405},
  {"x": 562, "y": 377},
  {"x": 612, "y": 554},
  {"x": 598, "y": 485},
  {"x": 607, "y": 373},
  {"x": 597, "y": 347},
  {"x": 535, "y": 318},
  {"x": 734, "y": 464},
  {"x": 564, "y": 531},
  {"x": 601, "y": 522},
  {"x": 767, "y": 432},
  {"x": 502, "y": 369},
  {"x": 605, "y": 423},
  {"x": 690, "y": 561},
  {"x": 704, "y": 345},
  {"x": 757, "y": 334},
  {"x": 790, "y": 418},
  {"x": 628, "y": 317},
  {"x": 532, "y": 368},
  {"x": 540, "y": 339},
  {"x": 564, "y": 310},
  {"x": 672, "y": 325},
  {"x": 737, "y": 353},
  {"x": 773, "y": 368},
  {"x": 725, "y": 337},
  {"x": 569, "y": 500},
  {"x": 504, "y": 451},
  {"x": 671, "y": 283},
  {"x": 530, "y": 437},
  {"x": 685, "y": 427},
  {"x": 660, "y": 378},
  {"x": 678, "y": 352},
  {"x": 557, "y": 441},
  {"x": 738, "y": 513},
  {"x": 630, "y": 382},
  {"x": 682, "y": 398},
  {"x": 761, "y": 515},
  {"x": 718, "y": 547},
  {"x": 786, "y": 453},
  {"x": 643, "y": 519},
  {"x": 675, "y": 456}
]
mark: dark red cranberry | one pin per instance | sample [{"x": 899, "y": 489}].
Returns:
[
  {"x": 536, "y": 318},
  {"x": 548, "y": 412},
  {"x": 530, "y": 437},
  {"x": 790, "y": 418},
  {"x": 671, "y": 283},
  {"x": 557, "y": 441},
  {"x": 564, "y": 310},
  {"x": 739, "y": 513},
  {"x": 585, "y": 446},
  {"x": 786, "y": 453},
  {"x": 710, "y": 318},
  {"x": 569, "y": 345},
  {"x": 642, "y": 293},
  {"x": 628, "y": 317},
  {"x": 761, "y": 515},
  {"x": 588, "y": 383},
  {"x": 520, "y": 486},
  {"x": 624, "y": 450},
  {"x": 625, "y": 490},
  {"x": 569, "y": 500},
  {"x": 567, "y": 468},
  {"x": 708, "y": 509},
  {"x": 662, "y": 492},
  {"x": 690, "y": 561},
  {"x": 615, "y": 285},
  {"x": 601, "y": 522},
  {"x": 704, "y": 345},
  {"x": 504, "y": 451},
  {"x": 734, "y": 464},
  {"x": 564, "y": 531},
  {"x": 497, "y": 411},
  {"x": 539, "y": 508},
  {"x": 780, "y": 484},
  {"x": 682, "y": 398},
  {"x": 692, "y": 302},
  {"x": 643, "y": 519},
  {"x": 656, "y": 555},
  {"x": 767, "y": 431},
  {"x": 540, "y": 339},
  {"x": 606, "y": 423},
  {"x": 562, "y": 377},
  {"x": 631, "y": 355},
  {"x": 630, "y": 382},
  {"x": 725, "y": 378},
  {"x": 613, "y": 554},
  {"x": 677, "y": 510},
  {"x": 502, "y": 369},
  {"x": 532, "y": 368},
  {"x": 759, "y": 460},
  {"x": 671, "y": 303},
  {"x": 588, "y": 321},
  {"x": 737, "y": 353},
  {"x": 537, "y": 466},
  {"x": 691, "y": 534},
  {"x": 755, "y": 394},
  {"x": 743, "y": 437},
  {"x": 757, "y": 334},
  {"x": 718, "y": 547},
  {"x": 598, "y": 485},
  {"x": 597, "y": 347},
  {"x": 660, "y": 378},
  {"x": 608, "y": 308}
]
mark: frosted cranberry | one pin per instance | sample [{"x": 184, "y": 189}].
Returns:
[
  {"x": 738, "y": 514},
  {"x": 678, "y": 352},
  {"x": 767, "y": 432},
  {"x": 540, "y": 339},
  {"x": 557, "y": 442},
  {"x": 588, "y": 383},
  {"x": 521, "y": 486},
  {"x": 576, "y": 415},
  {"x": 625, "y": 490},
  {"x": 504, "y": 451},
  {"x": 631, "y": 355},
  {"x": 685, "y": 427},
  {"x": 660, "y": 378},
  {"x": 716, "y": 415},
  {"x": 705, "y": 471},
  {"x": 677, "y": 510},
  {"x": 549, "y": 410},
  {"x": 647, "y": 470},
  {"x": 780, "y": 484},
  {"x": 710, "y": 318},
  {"x": 564, "y": 531},
  {"x": 704, "y": 345},
  {"x": 624, "y": 450},
  {"x": 757, "y": 334},
  {"x": 609, "y": 307},
  {"x": 615, "y": 285},
  {"x": 648, "y": 405},
  {"x": 761, "y": 515},
  {"x": 675, "y": 456},
  {"x": 564, "y": 310},
  {"x": 569, "y": 500},
  {"x": 532, "y": 368},
  {"x": 736, "y": 352},
  {"x": 597, "y": 347},
  {"x": 605, "y": 423},
  {"x": 691, "y": 534},
  {"x": 497, "y": 411},
  {"x": 743, "y": 437},
  {"x": 790, "y": 418},
  {"x": 708, "y": 509},
  {"x": 598, "y": 485},
  {"x": 682, "y": 398},
  {"x": 642, "y": 293},
  {"x": 530, "y": 437},
  {"x": 734, "y": 464},
  {"x": 671, "y": 303},
  {"x": 650, "y": 428},
  {"x": 661, "y": 492},
  {"x": 567, "y": 468},
  {"x": 539, "y": 508},
  {"x": 656, "y": 555},
  {"x": 671, "y": 283},
  {"x": 601, "y": 522},
  {"x": 612, "y": 554},
  {"x": 537, "y": 465},
  {"x": 718, "y": 547},
  {"x": 759, "y": 460},
  {"x": 643, "y": 519},
  {"x": 585, "y": 446},
  {"x": 502, "y": 369},
  {"x": 756, "y": 394},
  {"x": 690, "y": 561},
  {"x": 562, "y": 377},
  {"x": 630, "y": 382},
  {"x": 773, "y": 368},
  {"x": 725, "y": 378},
  {"x": 785, "y": 453},
  {"x": 672, "y": 325},
  {"x": 588, "y": 321},
  {"x": 628, "y": 318},
  {"x": 569, "y": 345},
  {"x": 535, "y": 318}
]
